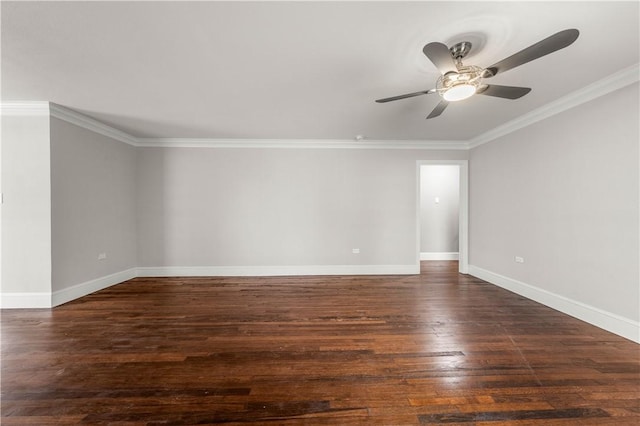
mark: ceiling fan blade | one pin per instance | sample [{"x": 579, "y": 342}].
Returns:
[
  {"x": 507, "y": 92},
  {"x": 441, "y": 57},
  {"x": 408, "y": 95},
  {"x": 550, "y": 44},
  {"x": 438, "y": 109}
]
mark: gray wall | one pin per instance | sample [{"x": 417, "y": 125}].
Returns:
[
  {"x": 439, "y": 220},
  {"x": 93, "y": 205},
  {"x": 26, "y": 210},
  {"x": 255, "y": 207},
  {"x": 563, "y": 194}
]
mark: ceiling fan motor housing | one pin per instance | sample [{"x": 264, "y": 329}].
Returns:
[{"x": 456, "y": 86}]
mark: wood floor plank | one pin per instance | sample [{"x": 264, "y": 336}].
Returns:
[{"x": 435, "y": 348}]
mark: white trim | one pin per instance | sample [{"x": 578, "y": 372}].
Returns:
[
  {"x": 91, "y": 124},
  {"x": 301, "y": 143},
  {"x": 463, "y": 210},
  {"x": 432, "y": 255},
  {"x": 602, "y": 87},
  {"x": 262, "y": 271},
  {"x": 25, "y": 300},
  {"x": 616, "y": 324},
  {"x": 24, "y": 108},
  {"x": 463, "y": 218},
  {"x": 80, "y": 290}
]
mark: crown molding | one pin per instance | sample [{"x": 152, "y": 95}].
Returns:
[
  {"x": 92, "y": 124},
  {"x": 301, "y": 143},
  {"x": 25, "y": 108},
  {"x": 602, "y": 87}
]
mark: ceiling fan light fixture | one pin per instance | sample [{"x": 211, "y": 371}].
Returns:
[{"x": 461, "y": 85}]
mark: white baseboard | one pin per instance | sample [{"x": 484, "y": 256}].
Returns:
[
  {"x": 25, "y": 300},
  {"x": 49, "y": 300},
  {"x": 261, "y": 271},
  {"x": 431, "y": 255},
  {"x": 616, "y": 324},
  {"x": 71, "y": 293}
]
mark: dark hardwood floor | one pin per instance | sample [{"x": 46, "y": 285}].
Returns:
[{"x": 377, "y": 350}]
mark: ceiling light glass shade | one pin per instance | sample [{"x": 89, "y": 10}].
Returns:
[
  {"x": 460, "y": 85},
  {"x": 459, "y": 92}
]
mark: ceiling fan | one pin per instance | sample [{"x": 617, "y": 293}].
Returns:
[{"x": 459, "y": 81}]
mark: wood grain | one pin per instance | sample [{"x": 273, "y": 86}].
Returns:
[{"x": 438, "y": 348}]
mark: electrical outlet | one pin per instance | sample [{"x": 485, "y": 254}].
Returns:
[
  {"x": 355, "y": 251},
  {"x": 519, "y": 259},
  {"x": 102, "y": 256}
]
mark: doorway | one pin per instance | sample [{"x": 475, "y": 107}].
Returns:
[{"x": 442, "y": 211}]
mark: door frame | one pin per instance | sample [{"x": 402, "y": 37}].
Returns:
[{"x": 463, "y": 212}]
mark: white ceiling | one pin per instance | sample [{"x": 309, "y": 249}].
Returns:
[{"x": 298, "y": 70}]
